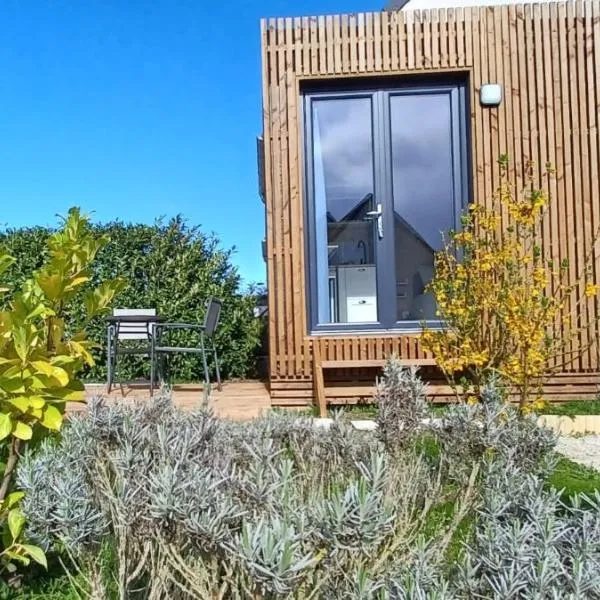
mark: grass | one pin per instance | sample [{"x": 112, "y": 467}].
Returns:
[
  {"x": 573, "y": 408},
  {"x": 53, "y": 585},
  {"x": 574, "y": 478}
]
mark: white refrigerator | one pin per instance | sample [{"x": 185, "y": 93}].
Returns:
[{"x": 357, "y": 293}]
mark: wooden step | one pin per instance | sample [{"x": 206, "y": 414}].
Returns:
[{"x": 357, "y": 364}]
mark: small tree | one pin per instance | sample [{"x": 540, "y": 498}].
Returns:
[
  {"x": 507, "y": 308},
  {"x": 40, "y": 358}
]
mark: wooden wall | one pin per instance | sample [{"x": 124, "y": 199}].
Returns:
[{"x": 547, "y": 56}]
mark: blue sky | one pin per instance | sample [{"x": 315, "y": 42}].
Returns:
[{"x": 136, "y": 109}]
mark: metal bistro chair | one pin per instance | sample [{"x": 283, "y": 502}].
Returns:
[
  {"x": 130, "y": 331},
  {"x": 206, "y": 332}
]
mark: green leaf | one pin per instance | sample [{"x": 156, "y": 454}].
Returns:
[
  {"x": 76, "y": 282},
  {"x": 36, "y": 402},
  {"x": 74, "y": 392},
  {"x": 5, "y": 425},
  {"x": 51, "y": 284},
  {"x": 65, "y": 395},
  {"x": 21, "y": 342},
  {"x": 20, "y": 403},
  {"x": 80, "y": 349},
  {"x": 97, "y": 301},
  {"x": 9, "y": 361},
  {"x": 13, "y": 498},
  {"x": 17, "y": 557},
  {"x": 39, "y": 311},
  {"x": 36, "y": 553},
  {"x": 45, "y": 368},
  {"x": 12, "y": 384},
  {"x": 52, "y": 418},
  {"x": 16, "y": 520},
  {"x": 22, "y": 431},
  {"x": 63, "y": 360},
  {"x": 5, "y": 261}
]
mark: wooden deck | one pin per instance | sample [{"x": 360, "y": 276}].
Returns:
[
  {"x": 241, "y": 400},
  {"x": 244, "y": 400}
]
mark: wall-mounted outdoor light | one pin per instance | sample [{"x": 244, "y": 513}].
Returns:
[{"x": 490, "y": 94}]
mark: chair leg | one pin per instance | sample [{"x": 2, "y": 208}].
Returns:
[
  {"x": 219, "y": 386},
  {"x": 206, "y": 372},
  {"x": 115, "y": 355},
  {"x": 109, "y": 359},
  {"x": 162, "y": 368},
  {"x": 152, "y": 366}
]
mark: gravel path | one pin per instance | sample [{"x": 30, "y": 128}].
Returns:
[{"x": 584, "y": 450}]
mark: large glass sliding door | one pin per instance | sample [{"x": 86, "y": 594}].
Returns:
[{"x": 385, "y": 179}]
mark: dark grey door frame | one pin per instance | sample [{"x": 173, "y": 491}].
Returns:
[{"x": 382, "y": 177}]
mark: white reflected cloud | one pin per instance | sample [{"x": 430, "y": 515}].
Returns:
[
  {"x": 421, "y": 155},
  {"x": 422, "y": 163},
  {"x": 345, "y": 149}
]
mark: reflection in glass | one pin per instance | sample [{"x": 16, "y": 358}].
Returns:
[
  {"x": 421, "y": 134},
  {"x": 343, "y": 195}
]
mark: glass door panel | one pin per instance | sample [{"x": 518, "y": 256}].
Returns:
[
  {"x": 346, "y": 214},
  {"x": 423, "y": 191},
  {"x": 385, "y": 177}
]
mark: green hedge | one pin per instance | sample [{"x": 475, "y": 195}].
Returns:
[{"x": 172, "y": 267}]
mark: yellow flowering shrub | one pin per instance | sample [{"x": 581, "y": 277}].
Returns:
[{"x": 504, "y": 304}]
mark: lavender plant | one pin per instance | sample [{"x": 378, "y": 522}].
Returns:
[
  {"x": 527, "y": 543},
  {"x": 189, "y": 506},
  {"x": 402, "y": 405},
  {"x": 270, "y": 509},
  {"x": 493, "y": 428}
]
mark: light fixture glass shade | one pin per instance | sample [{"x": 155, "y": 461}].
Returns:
[{"x": 490, "y": 94}]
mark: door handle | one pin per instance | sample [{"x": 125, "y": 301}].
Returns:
[{"x": 376, "y": 215}]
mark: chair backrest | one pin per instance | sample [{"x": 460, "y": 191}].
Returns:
[
  {"x": 134, "y": 331},
  {"x": 213, "y": 313}
]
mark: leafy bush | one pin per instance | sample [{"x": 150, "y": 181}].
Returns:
[
  {"x": 168, "y": 266},
  {"x": 528, "y": 544}
]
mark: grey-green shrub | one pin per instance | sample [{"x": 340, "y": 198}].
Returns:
[
  {"x": 401, "y": 404},
  {"x": 272, "y": 507},
  {"x": 468, "y": 433},
  {"x": 189, "y": 506}
]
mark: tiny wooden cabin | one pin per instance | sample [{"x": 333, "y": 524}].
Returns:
[{"x": 379, "y": 128}]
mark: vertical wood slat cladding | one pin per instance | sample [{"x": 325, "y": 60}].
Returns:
[{"x": 547, "y": 57}]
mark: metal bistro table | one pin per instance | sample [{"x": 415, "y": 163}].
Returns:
[{"x": 130, "y": 331}]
